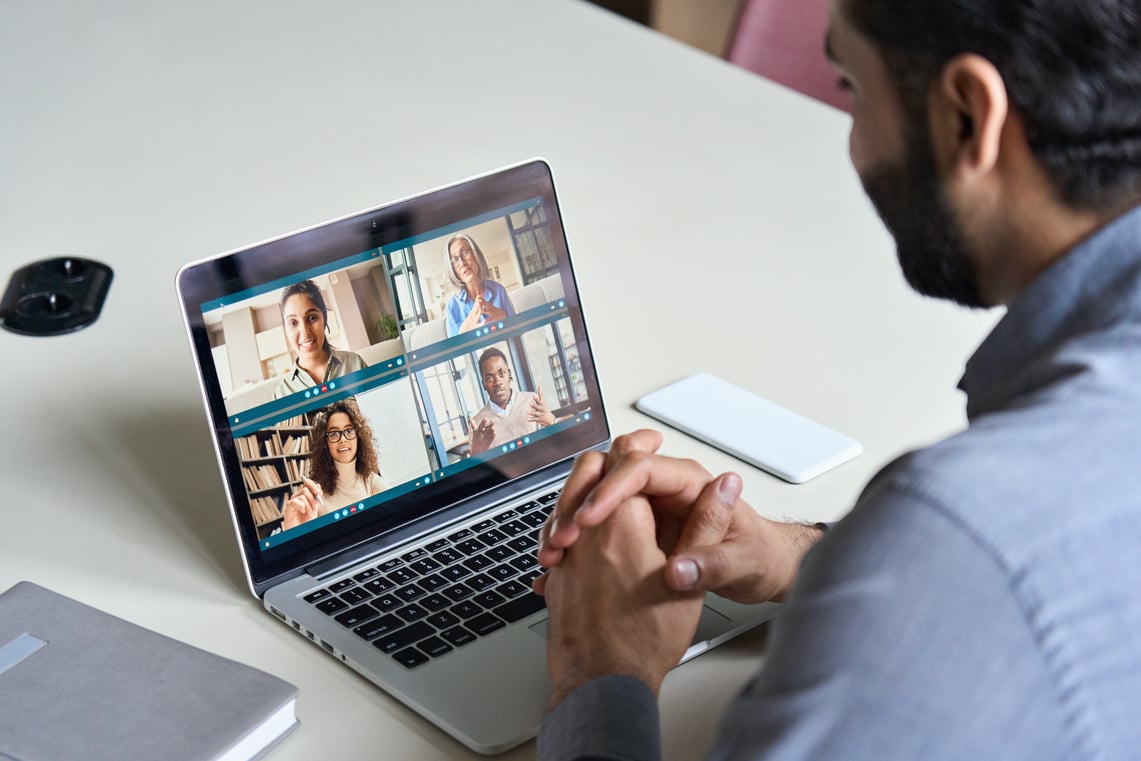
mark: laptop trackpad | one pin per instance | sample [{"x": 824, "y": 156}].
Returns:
[{"x": 711, "y": 624}]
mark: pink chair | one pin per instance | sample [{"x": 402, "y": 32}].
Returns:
[{"x": 783, "y": 40}]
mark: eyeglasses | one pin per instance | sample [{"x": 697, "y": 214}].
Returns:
[
  {"x": 348, "y": 434},
  {"x": 465, "y": 253}
]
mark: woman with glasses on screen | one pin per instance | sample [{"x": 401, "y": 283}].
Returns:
[
  {"x": 343, "y": 466},
  {"x": 478, "y": 299}
]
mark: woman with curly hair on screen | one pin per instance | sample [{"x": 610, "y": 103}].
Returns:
[{"x": 343, "y": 466}]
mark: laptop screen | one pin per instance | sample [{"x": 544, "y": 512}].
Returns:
[{"x": 367, "y": 373}]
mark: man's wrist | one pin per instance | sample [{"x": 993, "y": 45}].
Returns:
[{"x": 796, "y": 540}]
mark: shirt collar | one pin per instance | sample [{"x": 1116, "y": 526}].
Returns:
[
  {"x": 502, "y": 410},
  {"x": 1087, "y": 288}
]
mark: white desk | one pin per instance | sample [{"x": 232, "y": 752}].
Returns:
[{"x": 714, "y": 221}]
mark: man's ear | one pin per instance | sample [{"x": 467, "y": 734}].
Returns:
[{"x": 967, "y": 110}]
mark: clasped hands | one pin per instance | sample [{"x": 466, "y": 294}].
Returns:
[
  {"x": 482, "y": 311},
  {"x": 635, "y": 541}
]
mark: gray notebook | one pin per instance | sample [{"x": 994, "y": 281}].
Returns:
[{"x": 78, "y": 683}]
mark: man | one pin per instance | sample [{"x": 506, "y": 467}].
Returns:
[
  {"x": 983, "y": 597},
  {"x": 507, "y": 415}
]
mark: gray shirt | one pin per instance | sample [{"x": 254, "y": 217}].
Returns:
[
  {"x": 983, "y": 597},
  {"x": 340, "y": 363}
]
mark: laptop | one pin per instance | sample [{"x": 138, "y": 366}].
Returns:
[{"x": 396, "y": 397}]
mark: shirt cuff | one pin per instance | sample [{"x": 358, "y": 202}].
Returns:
[{"x": 613, "y": 717}]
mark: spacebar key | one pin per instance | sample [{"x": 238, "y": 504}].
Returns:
[{"x": 520, "y": 608}]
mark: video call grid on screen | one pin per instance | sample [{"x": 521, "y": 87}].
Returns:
[{"x": 421, "y": 385}]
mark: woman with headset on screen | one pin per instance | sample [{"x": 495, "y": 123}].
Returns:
[
  {"x": 343, "y": 466},
  {"x": 478, "y": 299},
  {"x": 305, "y": 319}
]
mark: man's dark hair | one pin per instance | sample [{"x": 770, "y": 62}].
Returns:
[
  {"x": 489, "y": 354},
  {"x": 1072, "y": 70}
]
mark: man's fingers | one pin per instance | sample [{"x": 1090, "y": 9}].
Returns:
[
  {"x": 709, "y": 519},
  {"x": 560, "y": 530},
  {"x": 671, "y": 483},
  {"x": 642, "y": 440}
]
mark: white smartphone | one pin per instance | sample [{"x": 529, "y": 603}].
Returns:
[{"x": 760, "y": 432}]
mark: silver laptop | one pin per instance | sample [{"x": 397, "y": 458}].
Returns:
[{"x": 396, "y": 397}]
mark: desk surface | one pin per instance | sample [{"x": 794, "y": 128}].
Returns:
[{"x": 714, "y": 221}]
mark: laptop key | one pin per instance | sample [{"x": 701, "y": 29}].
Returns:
[
  {"x": 379, "y": 585},
  {"x": 480, "y": 582},
  {"x": 434, "y": 647},
  {"x": 357, "y": 615},
  {"x": 388, "y": 565},
  {"x": 378, "y": 627},
  {"x": 425, "y": 565},
  {"x": 364, "y": 576},
  {"x": 318, "y": 596},
  {"x": 443, "y": 619},
  {"x": 433, "y": 582},
  {"x": 458, "y": 636},
  {"x": 402, "y": 575},
  {"x": 489, "y": 599},
  {"x": 494, "y": 536},
  {"x": 435, "y": 602},
  {"x": 447, "y": 556},
  {"x": 522, "y": 544},
  {"x": 332, "y": 605},
  {"x": 520, "y": 607},
  {"x": 459, "y": 536},
  {"x": 412, "y": 613},
  {"x": 471, "y": 546},
  {"x": 485, "y": 624},
  {"x": 437, "y": 545},
  {"x": 502, "y": 517},
  {"x": 483, "y": 526},
  {"x": 410, "y": 593},
  {"x": 355, "y": 595},
  {"x": 532, "y": 505},
  {"x": 409, "y": 635},
  {"x": 534, "y": 520},
  {"x": 455, "y": 572},
  {"x": 386, "y": 603},
  {"x": 414, "y": 555},
  {"x": 467, "y": 609},
  {"x": 500, "y": 553},
  {"x": 458, "y": 592},
  {"x": 512, "y": 588},
  {"x": 410, "y": 658},
  {"x": 525, "y": 562},
  {"x": 478, "y": 562},
  {"x": 341, "y": 585},
  {"x": 503, "y": 572},
  {"x": 514, "y": 528},
  {"x": 547, "y": 499}
]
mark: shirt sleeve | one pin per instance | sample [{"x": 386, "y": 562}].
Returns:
[
  {"x": 453, "y": 316},
  {"x": 903, "y": 639},
  {"x": 612, "y": 718}
]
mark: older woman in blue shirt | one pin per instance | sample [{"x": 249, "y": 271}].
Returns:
[{"x": 478, "y": 299}]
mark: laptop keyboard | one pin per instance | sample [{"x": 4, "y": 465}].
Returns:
[{"x": 446, "y": 594}]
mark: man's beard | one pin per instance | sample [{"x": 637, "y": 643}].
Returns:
[{"x": 930, "y": 247}]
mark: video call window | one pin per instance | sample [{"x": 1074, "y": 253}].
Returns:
[
  {"x": 538, "y": 369},
  {"x": 255, "y": 349},
  {"x": 349, "y": 454}
]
